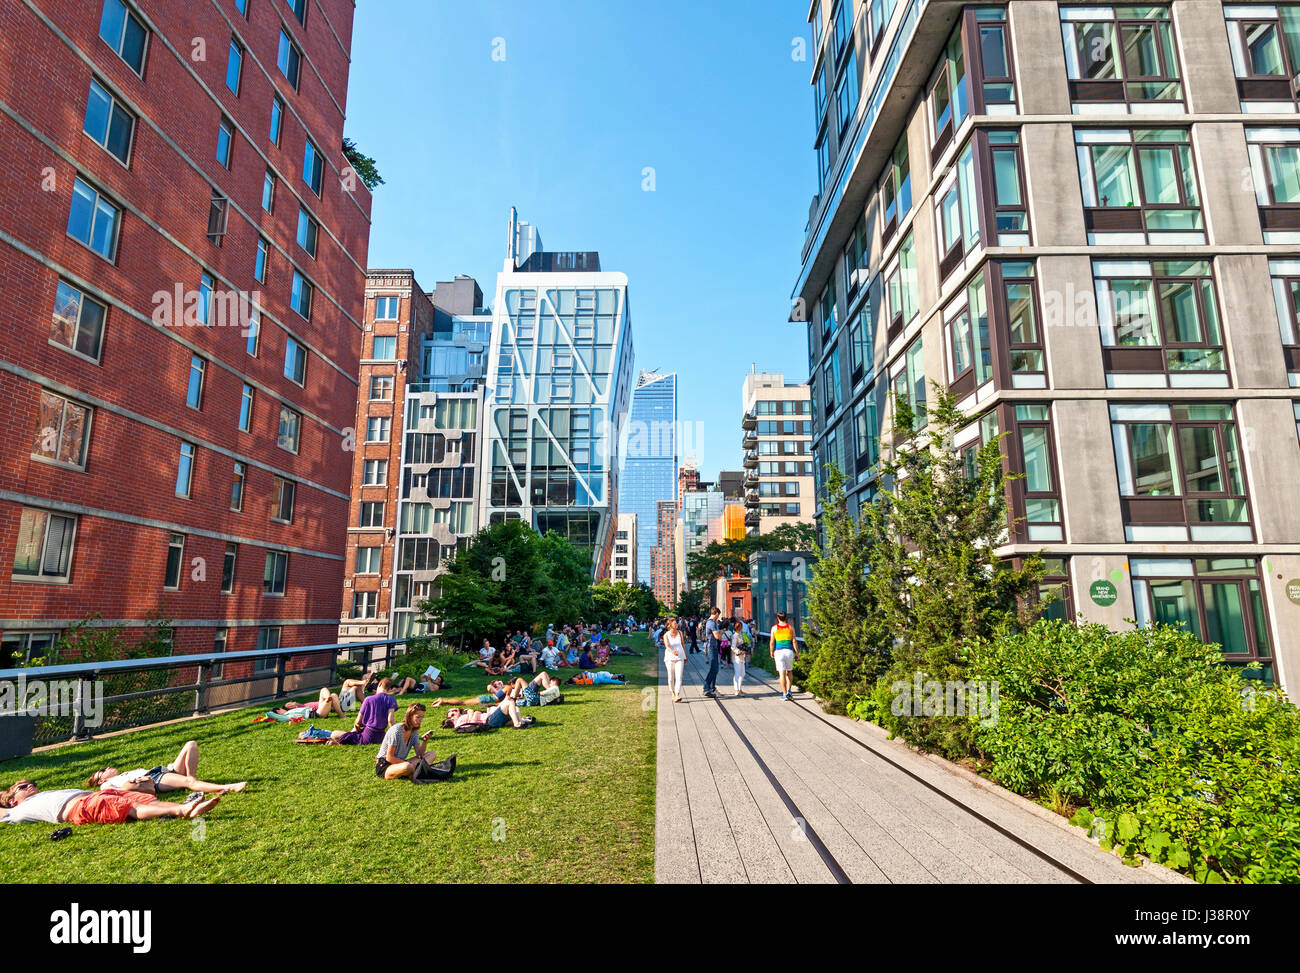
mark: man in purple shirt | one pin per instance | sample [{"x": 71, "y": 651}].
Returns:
[{"x": 373, "y": 721}]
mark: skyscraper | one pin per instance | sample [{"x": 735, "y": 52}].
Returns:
[
  {"x": 777, "y": 437},
  {"x": 181, "y": 244},
  {"x": 559, "y": 385},
  {"x": 1080, "y": 220},
  {"x": 650, "y": 468}
]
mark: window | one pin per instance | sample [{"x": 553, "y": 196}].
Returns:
[
  {"x": 1286, "y": 296},
  {"x": 998, "y": 86},
  {"x": 299, "y": 8},
  {"x": 268, "y": 191},
  {"x": 860, "y": 349},
  {"x": 204, "y": 309},
  {"x": 377, "y": 429},
  {"x": 267, "y": 639},
  {"x": 1180, "y": 473},
  {"x": 909, "y": 386},
  {"x": 385, "y": 348},
  {"x": 948, "y": 98},
  {"x": 228, "y": 569},
  {"x": 970, "y": 355},
  {"x": 277, "y": 119},
  {"x": 282, "y": 505},
  {"x": 237, "y": 487},
  {"x": 62, "y": 431},
  {"x": 1023, "y": 340},
  {"x": 1275, "y": 168},
  {"x": 420, "y": 554},
  {"x": 1035, "y": 497},
  {"x": 456, "y": 414},
  {"x": 300, "y": 295},
  {"x": 274, "y": 578},
  {"x": 26, "y": 648},
  {"x": 242, "y": 7},
  {"x": 1159, "y": 324},
  {"x": 295, "y": 361},
  {"x": 175, "y": 562},
  {"x": 386, "y": 308},
  {"x": 828, "y": 311},
  {"x": 290, "y": 429},
  {"x": 289, "y": 60},
  {"x": 313, "y": 167},
  {"x": 125, "y": 33},
  {"x": 234, "y": 66},
  {"x": 841, "y": 27},
  {"x": 425, "y": 447},
  {"x": 901, "y": 299},
  {"x": 1010, "y": 217},
  {"x": 831, "y": 376},
  {"x": 1120, "y": 54},
  {"x": 1139, "y": 186},
  {"x": 77, "y": 323},
  {"x": 93, "y": 221},
  {"x": 958, "y": 212},
  {"x": 895, "y": 191},
  {"x": 261, "y": 260},
  {"x": 1219, "y": 600},
  {"x": 254, "y": 330},
  {"x": 194, "y": 392},
  {"x": 855, "y": 260},
  {"x": 185, "y": 470},
  {"x": 372, "y": 513},
  {"x": 381, "y": 388},
  {"x": 375, "y": 472},
  {"x": 222, "y": 637},
  {"x": 225, "y": 138},
  {"x": 109, "y": 123},
  {"x": 879, "y": 14},
  {"x": 1265, "y": 44},
  {"x": 369, "y": 559},
  {"x": 365, "y": 604},
  {"x": 44, "y": 549},
  {"x": 866, "y": 431},
  {"x": 307, "y": 231},
  {"x": 846, "y": 94},
  {"x": 218, "y": 217}
]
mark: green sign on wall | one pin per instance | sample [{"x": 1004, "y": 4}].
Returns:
[{"x": 1104, "y": 593}]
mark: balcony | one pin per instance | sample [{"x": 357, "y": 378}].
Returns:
[
  {"x": 749, "y": 441},
  {"x": 751, "y": 480},
  {"x": 750, "y": 421},
  {"x": 751, "y": 498},
  {"x": 751, "y": 459},
  {"x": 752, "y": 517}
]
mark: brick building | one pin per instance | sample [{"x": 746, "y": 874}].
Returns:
[{"x": 182, "y": 249}]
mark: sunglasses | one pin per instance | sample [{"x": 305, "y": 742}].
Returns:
[{"x": 24, "y": 785}]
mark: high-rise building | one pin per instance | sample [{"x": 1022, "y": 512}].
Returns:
[
  {"x": 559, "y": 384},
  {"x": 688, "y": 478},
  {"x": 1079, "y": 220},
  {"x": 702, "y": 521},
  {"x": 650, "y": 464},
  {"x": 414, "y": 476},
  {"x": 181, "y": 244},
  {"x": 624, "y": 565},
  {"x": 663, "y": 557},
  {"x": 732, "y": 484},
  {"x": 777, "y": 438}
]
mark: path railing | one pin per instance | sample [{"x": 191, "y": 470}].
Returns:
[{"x": 72, "y": 700}]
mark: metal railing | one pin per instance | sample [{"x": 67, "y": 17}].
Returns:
[{"x": 137, "y": 692}]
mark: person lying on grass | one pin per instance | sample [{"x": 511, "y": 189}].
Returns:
[
  {"x": 327, "y": 704},
  {"x": 601, "y": 678},
  {"x": 496, "y": 691},
  {"x": 394, "y": 760},
  {"x": 371, "y": 724},
  {"x": 506, "y": 711},
  {"x": 25, "y": 803},
  {"x": 176, "y": 776},
  {"x": 526, "y": 693}
]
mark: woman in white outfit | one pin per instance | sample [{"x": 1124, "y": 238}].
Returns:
[
  {"x": 674, "y": 658},
  {"x": 740, "y": 649}
]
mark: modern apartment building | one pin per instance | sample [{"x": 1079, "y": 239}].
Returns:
[
  {"x": 414, "y": 474},
  {"x": 650, "y": 464},
  {"x": 625, "y": 540},
  {"x": 663, "y": 557},
  {"x": 559, "y": 385},
  {"x": 181, "y": 244},
  {"x": 1083, "y": 221},
  {"x": 777, "y": 438}
]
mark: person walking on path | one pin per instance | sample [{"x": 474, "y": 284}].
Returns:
[
  {"x": 674, "y": 659},
  {"x": 712, "y": 645},
  {"x": 784, "y": 652},
  {"x": 740, "y": 648}
]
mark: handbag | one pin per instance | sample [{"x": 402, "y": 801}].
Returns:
[{"x": 427, "y": 773}]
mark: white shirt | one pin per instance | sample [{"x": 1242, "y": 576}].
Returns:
[
  {"x": 43, "y": 806},
  {"x": 674, "y": 647},
  {"x": 121, "y": 781},
  {"x": 486, "y": 653}
]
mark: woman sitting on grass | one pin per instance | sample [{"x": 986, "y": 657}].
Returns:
[
  {"x": 176, "y": 776},
  {"x": 394, "y": 760},
  {"x": 25, "y": 803},
  {"x": 371, "y": 724}
]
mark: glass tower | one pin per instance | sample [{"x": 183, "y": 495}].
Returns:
[{"x": 650, "y": 461}]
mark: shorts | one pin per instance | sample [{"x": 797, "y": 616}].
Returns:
[
  {"x": 381, "y": 765},
  {"x": 497, "y": 719},
  {"x": 487, "y": 699},
  {"x": 784, "y": 659},
  {"x": 107, "y": 807},
  {"x": 531, "y": 696}
]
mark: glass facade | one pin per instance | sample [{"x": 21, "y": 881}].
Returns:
[{"x": 649, "y": 461}]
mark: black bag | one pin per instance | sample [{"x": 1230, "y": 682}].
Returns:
[
  {"x": 426, "y": 774},
  {"x": 470, "y": 728}
]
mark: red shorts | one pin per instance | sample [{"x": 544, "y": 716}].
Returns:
[{"x": 107, "y": 807}]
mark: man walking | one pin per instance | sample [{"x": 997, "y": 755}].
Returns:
[
  {"x": 784, "y": 651},
  {"x": 712, "y": 647}
]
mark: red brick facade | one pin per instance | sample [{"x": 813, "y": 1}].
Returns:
[{"x": 124, "y": 498}]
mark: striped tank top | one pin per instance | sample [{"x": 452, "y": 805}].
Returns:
[{"x": 783, "y": 638}]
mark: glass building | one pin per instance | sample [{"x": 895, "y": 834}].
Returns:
[
  {"x": 650, "y": 463},
  {"x": 559, "y": 386}
]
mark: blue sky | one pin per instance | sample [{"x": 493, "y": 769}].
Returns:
[{"x": 589, "y": 94}]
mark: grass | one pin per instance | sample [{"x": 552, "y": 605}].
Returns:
[{"x": 568, "y": 800}]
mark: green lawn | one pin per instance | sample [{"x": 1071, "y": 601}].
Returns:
[{"x": 568, "y": 800}]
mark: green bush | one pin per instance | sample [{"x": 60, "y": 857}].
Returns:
[{"x": 1175, "y": 755}]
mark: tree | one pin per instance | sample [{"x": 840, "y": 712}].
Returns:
[
  {"x": 363, "y": 165},
  {"x": 564, "y": 584},
  {"x": 730, "y": 558},
  {"x": 690, "y": 604}
]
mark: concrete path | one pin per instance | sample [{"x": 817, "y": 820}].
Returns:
[{"x": 755, "y": 789}]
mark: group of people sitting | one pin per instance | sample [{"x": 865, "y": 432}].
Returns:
[{"x": 572, "y": 646}]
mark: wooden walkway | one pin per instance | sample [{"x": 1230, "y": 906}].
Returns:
[{"x": 756, "y": 789}]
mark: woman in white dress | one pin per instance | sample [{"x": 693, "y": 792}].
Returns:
[{"x": 674, "y": 658}]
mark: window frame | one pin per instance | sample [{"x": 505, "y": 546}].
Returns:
[
  {"x": 116, "y": 108},
  {"x": 99, "y": 197},
  {"x": 76, "y": 326}
]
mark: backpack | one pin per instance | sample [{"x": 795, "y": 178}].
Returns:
[{"x": 470, "y": 728}]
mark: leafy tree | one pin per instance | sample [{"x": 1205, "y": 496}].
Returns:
[
  {"x": 690, "y": 604},
  {"x": 564, "y": 590},
  {"x": 730, "y": 558},
  {"x": 362, "y": 164}
]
